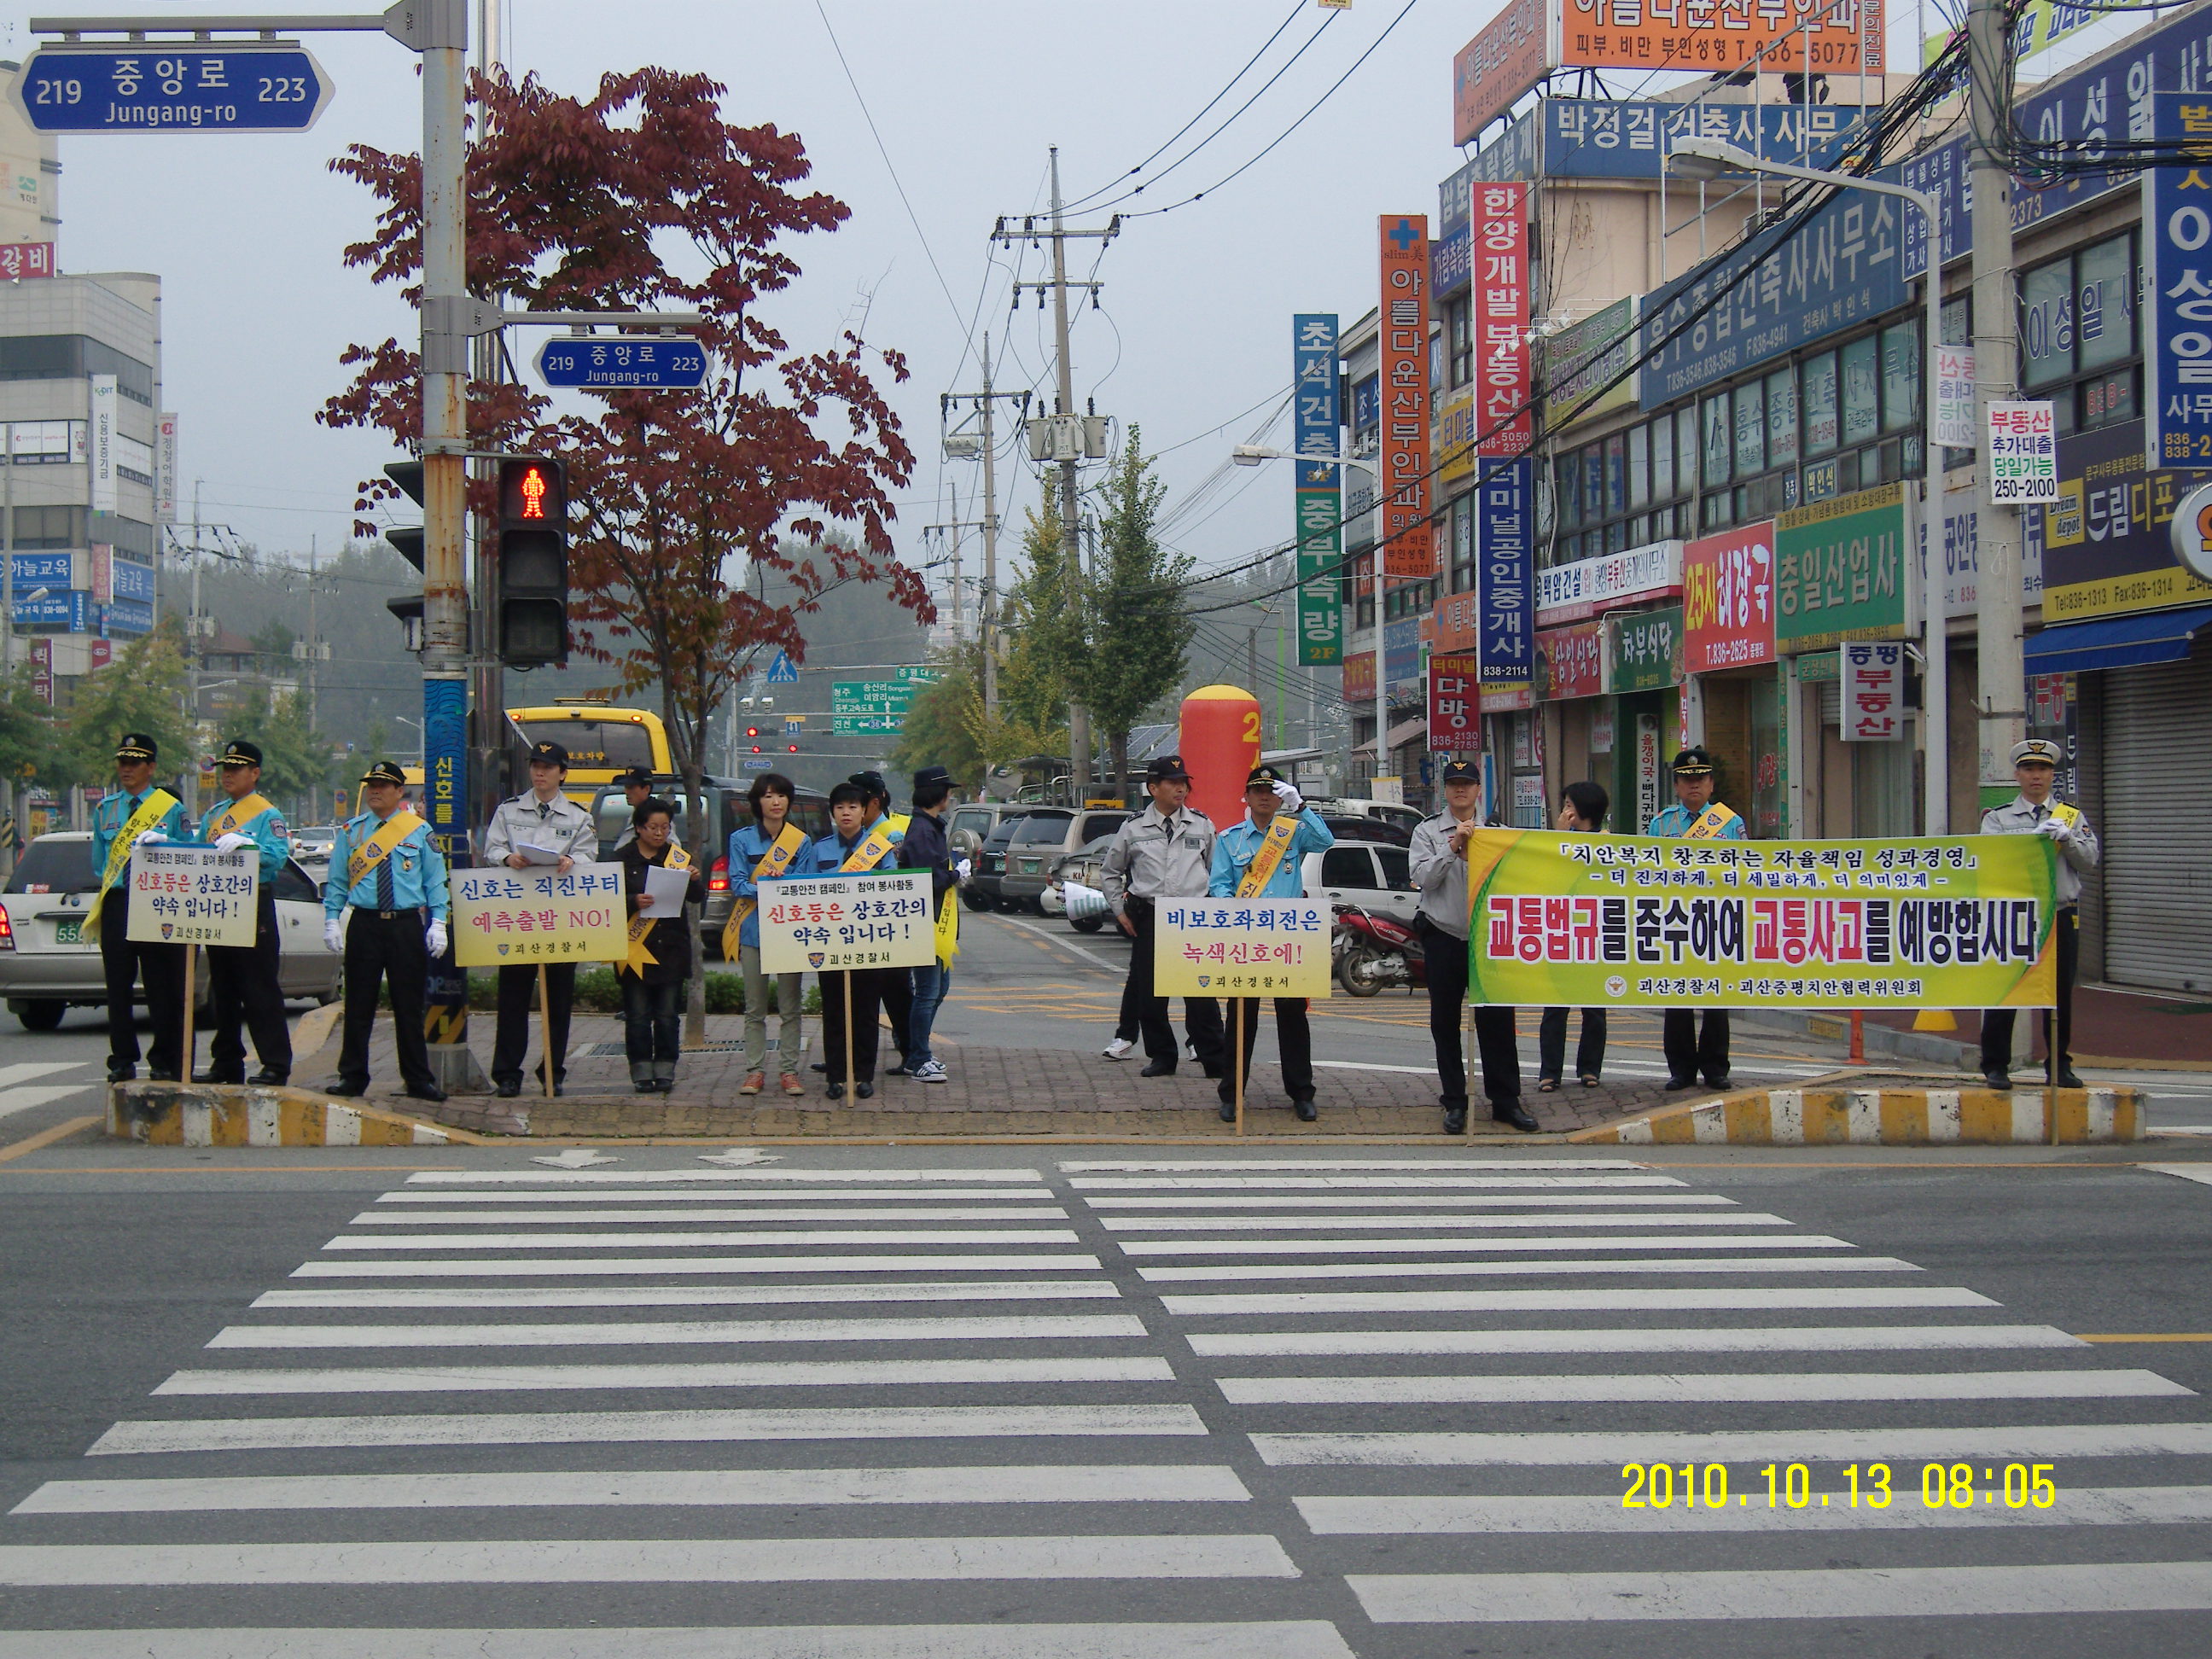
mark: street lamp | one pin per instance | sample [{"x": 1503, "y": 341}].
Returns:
[
  {"x": 1252, "y": 455},
  {"x": 1698, "y": 157}
]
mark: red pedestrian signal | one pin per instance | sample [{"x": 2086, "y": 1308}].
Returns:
[{"x": 794, "y": 749}]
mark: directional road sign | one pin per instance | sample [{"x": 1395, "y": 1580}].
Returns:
[
  {"x": 232, "y": 86},
  {"x": 781, "y": 671},
  {"x": 621, "y": 362}
]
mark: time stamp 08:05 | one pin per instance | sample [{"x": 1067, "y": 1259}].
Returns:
[{"x": 1943, "y": 1485}]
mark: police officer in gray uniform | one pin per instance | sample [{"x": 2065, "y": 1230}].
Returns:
[
  {"x": 2037, "y": 811},
  {"x": 637, "y": 789},
  {"x": 542, "y": 818},
  {"x": 1165, "y": 852}
]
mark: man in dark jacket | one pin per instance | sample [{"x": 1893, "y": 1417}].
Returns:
[{"x": 925, "y": 848}]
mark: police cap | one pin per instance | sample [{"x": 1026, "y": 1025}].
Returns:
[
  {"x": 548, "y": 754},
  {"x": 930, "y": 775},
  {"x": 384, "y": 771},
  {"x": 1167, "y": 769},
  {"x": 1263, "y": 777},
  {"x": 2036, "y": 751},
  {"x": 1460, "y": 771},
  {"x": 239, "y": 752},
  {"x": 635, "y": 774},
  {"x": 1694, "y": 762},
  {"x": 138, "y": 746}
]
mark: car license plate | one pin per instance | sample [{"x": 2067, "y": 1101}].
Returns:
[
  {"x": 69, "y": 932},
  {"x": 1029, "y": 867}
]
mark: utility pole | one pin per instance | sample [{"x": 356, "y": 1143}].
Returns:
[
  {"x": 2001, "y": 694},
  {"x": 487, "y": 680},
  {"x": 987, "y": 605},
  {"x": 1071, "y": 435}
]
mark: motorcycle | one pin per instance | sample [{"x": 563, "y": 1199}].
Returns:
[{"x": 1371, "y": 952}]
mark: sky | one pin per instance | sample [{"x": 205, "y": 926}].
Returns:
[{"x": 1191, "y": 338}]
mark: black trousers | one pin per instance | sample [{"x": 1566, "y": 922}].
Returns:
[
  {"x": 1444, "y": 957},
  {"x": 122, "y": 963},
  {"x": 382, "y": 946},
  {"x": 895, "y": 994},
  {"x": 511, "y": 1037},
  {"x": 1293, "y": 1040},
  {"x": 1690, "y": 1051},
  {"x": 242, "y": 985},
  {"x": 1997, "y": 1022},
  {"x": 1552, "y": 1043},
  {"x": 867, "y": 1003},
  {"x": 653, "y": 1026},
  {"x": 1201, "y": 1016}
]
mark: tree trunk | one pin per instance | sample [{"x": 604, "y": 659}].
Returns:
[
  {"x": 1120, "y": 749},
  {"x": 703, "y": 834}
]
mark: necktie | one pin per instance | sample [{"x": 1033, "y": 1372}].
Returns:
[{"x": 385, "y": 899}]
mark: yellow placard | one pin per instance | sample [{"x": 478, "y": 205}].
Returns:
[
  {"x": 506, "y": 918},
  {"x": 828, "y": 924},
  {"x": 1636, "y": 921},
  {"x": 1241, "y": 947},
  {"x": 191, "y": 895}
]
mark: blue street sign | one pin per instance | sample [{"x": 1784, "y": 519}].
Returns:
[
  {"x": 795, "y": 729},
  {"x": 621, "y": 362},
  {"x": 780, "y": 672},
  {"x": 194, "y": 87},
  {"x": 756, "y": 764}
]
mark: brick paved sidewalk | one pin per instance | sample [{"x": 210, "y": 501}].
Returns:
[{"x": 993, "y": 1092}]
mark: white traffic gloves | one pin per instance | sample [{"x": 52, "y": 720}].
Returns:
[
  {"x": 2058, "y": 829},
  {"x": 964, "y": 869},
  {"x": 435, "y": 938},
  {"x": 152, "y": 838},
  {"x": 333, "y": 934},
  {"x": 1290, "y": 799},
  {"x": 233, "y": 842}
]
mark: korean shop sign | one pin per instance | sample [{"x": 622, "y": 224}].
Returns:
[
  {"x": 2021, "y": 453},
  {"x": 1574, "y": 661},
  {"x": 2176, "y": 230},
  {"x": 1844, "y": 37},
  {"x": 1454, "y": 689},
  {"x": 1647, "y": 649},
  {"x": 1728, "y": 599},
  {"x": 1838, "y": 570}
]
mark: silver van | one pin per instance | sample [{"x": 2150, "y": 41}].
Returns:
[{"x": 1046, "y": 836}]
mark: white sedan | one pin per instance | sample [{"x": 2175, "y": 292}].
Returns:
[{"x": 47, "y": 967}]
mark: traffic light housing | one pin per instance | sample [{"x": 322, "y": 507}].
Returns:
[{"x": 533, "y": 527}]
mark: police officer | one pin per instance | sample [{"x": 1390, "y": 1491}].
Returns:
[
  {"x": 1255, "y": 860},
  {"x": 637, "y": 789},
  {"x": 386, "y": 864},
  {"x": 2036, "y": 811},
  {"x": 242, "y": 978},
  {"x": 545, "y": 818},
  {"x": 1696, "y": 815},
  {"x": 1165, "y": 852},
  {"x": 134, "y": 811},
  {"x": 1437, "y": 862}
]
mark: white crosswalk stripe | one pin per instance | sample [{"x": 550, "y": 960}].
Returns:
[{"x": 1678, "y": 1310}]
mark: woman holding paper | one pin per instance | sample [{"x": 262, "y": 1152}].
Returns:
[
  {"x": 769, "y": 847},
  {"x": 659, "y": 878}
]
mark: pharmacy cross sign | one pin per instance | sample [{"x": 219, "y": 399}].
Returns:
[
  {"x": 190, "y": 88},
  {"x": 1405, "y": 235}
]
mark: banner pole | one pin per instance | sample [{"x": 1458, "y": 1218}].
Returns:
[
  {"x": 192, "y": 961},
  {"x": 1240, "y": 1066},
  {"x": 544, "y": 1031},
  {"x": 847, "y": 978}
]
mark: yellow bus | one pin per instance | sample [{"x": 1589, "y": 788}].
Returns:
[{"x": 601, "y": 740}]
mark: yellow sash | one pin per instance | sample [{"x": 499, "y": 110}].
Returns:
[
  {"x": 870, "y": 852},
  {"x": 240, "y": 814},
  {"x": 644, "y": 921},
  {"x": 773, "y": 863},
  {"x": 1257, "y": 874},
  {"x": 151, "y": 810},
  {"x": 948, "y": 927},
  {"x": 1715, "y": 819},
  {"x": 377, "y": 847}
]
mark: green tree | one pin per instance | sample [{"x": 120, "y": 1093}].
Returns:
[
  {"x": 272, "y": 643},
  {"x": 1040, "y": 646},
  {"x": 143, "y": 689},
  {"x": 30, "y": 737},
  {"x": 1140, "y": 633},
  {"x": 939, "y": 730},
  {"x": 294, "y": 759}
]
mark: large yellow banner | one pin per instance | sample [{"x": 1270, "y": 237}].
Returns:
[{"x": 1634, "y": 921}]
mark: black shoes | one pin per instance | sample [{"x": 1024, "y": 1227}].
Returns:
[
  {"x": 347, "y": 1089},
  {"x": 1516, "y": 1115},
  {"x": 2000, "y": 1081},
  {"x": 2067, "y": 1080},
  {"x": 865, "y": 1090},
  {"x": 1305, "y": 1110},
  {"x": 1722, "y": 1082},
  {"x": 1228, "y": 1111},
  {"x": 211, "y": 1075},
  {"x": 123, "y": 1073},
  {"x": 1158, "y": 1068},
  {"x": 160, "y": 1075},
  {"x": 427, "y": 1091},
  {"x": 269, "y": 1078},
  {"x": 1455, "y": 1119},
  {"x": 508, "y": 1087},
  {"x": 1675, "y": 1083}
]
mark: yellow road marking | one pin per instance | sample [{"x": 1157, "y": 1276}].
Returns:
[{"x": 47, "y": 1137}]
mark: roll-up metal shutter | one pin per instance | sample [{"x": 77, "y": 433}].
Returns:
[
  {"x": 2158, "y": 831},
  {"x": 1831, "y": 703}
]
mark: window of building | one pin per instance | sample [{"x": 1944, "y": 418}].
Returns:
[
  {"x": 124, "y": 535},
  {"x": 1662, "y": 459},
  {"x": 1782, "y": 418},
  {"x": 1639, "y": 468},
  {"x": 2079, "y": 337},
  {"x": 49, "y": 527},
  {"x": 1751, "y": 429},
  {"x": 1819, "y": 404},
  {"x": 1462, "y": 545},
  {"x": 72, "y": 357},
  {"x": 1903, "y": 370},
  {"x": 1861, "y": 380},
  {"x": 45, "y": 443},
  {"x": 1719, "y": 438},
  {"x": 1459, "y": 337}
]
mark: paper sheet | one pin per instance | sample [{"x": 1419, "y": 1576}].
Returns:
[{"x": 668, "y": 890}]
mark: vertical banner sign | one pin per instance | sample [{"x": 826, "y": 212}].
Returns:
[
  {"x": 101, "y": 426},
  {"x": 1728, "y": 599},
  {"x": 1509, "y": 633},
  {"x": 1502, "y": 422},
  {"x": 2022, "y": 454},
  {"x": 165, "y": 470},
  {"x": 444, "y": 768},
  {"x": 1455, "y": 723},
  {"x": 2177, "y": 353},
  {"x": 1406, "y": 540},
  {"x": 1873, "y": 691},
  {"x": 1316, "y": 419},
  {"x": 1955, "y": 425}
]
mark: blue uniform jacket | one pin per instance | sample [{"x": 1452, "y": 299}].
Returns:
[
  {"x": 1234, "y": 847},
  {"x": 114, "y": 811},
  {"x": 418, "y": 871},
  {"x": 832, "y": 850},
  {"x": 267, "y": 833},
  {"x": 748, "y": 847},
  {"x": 1677, "y": 819}
]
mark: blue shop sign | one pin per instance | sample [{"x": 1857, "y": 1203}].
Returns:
[
  {"x": 133, "y": 581},
  {"x": 1511, "y": 156},
  {"x": 1594, "y": 138},
  {"x": 129, "y": 616},
  {"x": 43, "y": 569}
]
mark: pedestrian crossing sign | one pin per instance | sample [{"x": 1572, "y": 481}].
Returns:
[{"x": 780, "y": 672}]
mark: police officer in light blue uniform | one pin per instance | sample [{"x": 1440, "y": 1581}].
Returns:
[
  {"x": 242, "y": 980},
  {"x": 400, "y": 905},
  {"x": 120, "y": 960},
  {"x": 1696, "y": 815}
]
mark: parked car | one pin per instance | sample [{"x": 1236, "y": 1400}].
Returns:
[
  {"x": 1375, "y": 829},
  {"x": 47, "y": 967},
  {"x": 1406, "y": 819},
  {"x": 1082, "y": 865},
  {"x": 1042, "y": 838},
  {"x": 1372, "y": 874},
  {"x": 969, "y": 827},
  {"x": 983, "y": 889}
]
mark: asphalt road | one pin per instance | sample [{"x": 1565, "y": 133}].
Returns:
[{"x": 990, "y": 1402}]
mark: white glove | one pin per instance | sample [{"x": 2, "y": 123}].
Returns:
[
  {"x": 965, "y": 868},
  {"x": 333, "y": 935},
  {"x": 152, "y": 838},
  {"x": 233, "y": 842},
  {"x": 435, "y": 938},
  {"x": 1291, "y": 800},
  {"x": 2058, "y": 829}
]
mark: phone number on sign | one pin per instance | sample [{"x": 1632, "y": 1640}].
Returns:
[{"x": 1943, "y": 1485}]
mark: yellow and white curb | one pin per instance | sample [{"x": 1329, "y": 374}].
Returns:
[
  {"x": 219, "y": 1114},
  {"x": 1885, "y": 1117}
]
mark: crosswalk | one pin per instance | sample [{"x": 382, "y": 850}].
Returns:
[{"x": 1252, "y": 1408}]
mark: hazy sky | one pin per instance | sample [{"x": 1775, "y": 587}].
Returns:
[{"x": 1194, "y": 332}]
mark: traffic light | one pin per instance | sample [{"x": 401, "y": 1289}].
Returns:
[
  {"x": 407, "y": 541},
  {"x": 533, "y": 562},
  {"x": 792, "y": 748}
]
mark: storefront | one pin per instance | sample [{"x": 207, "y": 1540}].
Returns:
[{"x": 1732, "y": 681}]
